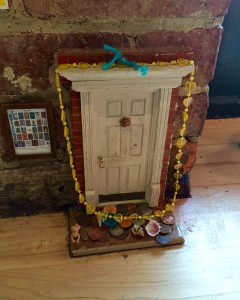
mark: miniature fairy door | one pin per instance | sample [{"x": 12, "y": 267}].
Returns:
[
  {"x": 124, "y": 120},
  {"x": 121, "y": 131}
]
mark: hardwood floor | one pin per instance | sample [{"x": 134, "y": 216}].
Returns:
[{"x": 34, "y": 260}]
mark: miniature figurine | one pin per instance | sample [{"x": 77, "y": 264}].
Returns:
[{"x": 75, "y": 236}]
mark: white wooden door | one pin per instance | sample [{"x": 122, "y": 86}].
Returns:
[{"x": 124, "y": 150}]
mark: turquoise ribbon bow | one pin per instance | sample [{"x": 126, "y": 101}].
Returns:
[{"x": 119, "y": 58}]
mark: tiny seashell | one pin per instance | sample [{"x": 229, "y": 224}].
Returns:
[
  {"x": 152, "y": 228},
  {"x": 138, "y": 230}
]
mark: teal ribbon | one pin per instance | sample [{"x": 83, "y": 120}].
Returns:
[{"x": 118, "y": 57}]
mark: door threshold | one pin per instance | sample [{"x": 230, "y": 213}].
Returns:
[{"x": 122, "y": 202}]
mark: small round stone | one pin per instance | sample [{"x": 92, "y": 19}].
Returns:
[
  {"x": 125, "y": 235},
  {"x": 162, "y": 239},
  {"x": 104, "y": 235},
  {"x": 117, "y": 231},
  {"x": 110, "y": 209},
  {"x": 125, "y": 223},
  {"x": 140, "y": 222},
  {"x": 94, "y": 234},
  {"x": 164, "y": 228}
]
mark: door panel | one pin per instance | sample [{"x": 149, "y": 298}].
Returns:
[
  {"x": 112, "y": 180},
  {"x": 133, "y": 178},
  {"x": 124, "y": 149},
  {"x": 113, "y": 141},
  {"x": 136, "y": 139}
]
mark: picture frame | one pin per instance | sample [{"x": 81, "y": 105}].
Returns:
[{"x": 28, "y": 130}]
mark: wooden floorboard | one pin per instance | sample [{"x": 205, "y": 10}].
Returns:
[
  {"x": 35, "y": 264},
  {"x": 219, "y": 153}
]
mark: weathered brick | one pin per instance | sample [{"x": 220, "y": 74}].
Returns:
[
  {"x": 33, "y": 55},
  {"x": 203, "y": 42},
  {"x": 124, "y": 9},
  {"x": 36, "y": 60},
  {"x": 197, "y": 114}
]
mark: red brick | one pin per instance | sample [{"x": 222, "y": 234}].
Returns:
[
  {"x": 78, "y": 153},
  {"x": 63, "y": 58},
  {"x": 204, "y": 42},
  {"x": 124, "y": 10},
  {"x": 77, "y": 139},
  {"x": 76, "y": 126},
  {"x": 76, "y": 103},
  {"x": 128, "y": 56},
  {"x": 100, "y": 57},
  {"x": 173, "y": 104},
  {"x": 91, "y": 58},
  {"x": 170, "y": 128},
  {"x": 76, "y": 119},
  {"x": 166, "y": 158},
  {"x": 79, "y": 165},
  {"x": 175, "y": 92},
  {"x": 76, "y": 111},
  {"x": 75, "y": 95},
  {"x": 167, "y": 146},
  {"x": 171, "y": 119},
  {"x": 175, "y": 95},
  {"x": 72, "y": 58},
  {"x": 162, "y": 181},
  {"x": 78, "y": 162},
  {"x": 77, "y": 146},
  {"x": 172, "y": 111}
]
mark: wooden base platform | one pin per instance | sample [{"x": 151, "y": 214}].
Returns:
[{"x": 113, "y": 244}]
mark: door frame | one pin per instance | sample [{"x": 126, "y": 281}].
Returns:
[
  {"x": 160, "y": 81},
  {"x": 159, "y": 123}
]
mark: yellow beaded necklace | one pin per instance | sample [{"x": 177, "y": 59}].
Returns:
[{"x": 190, "y": 85}]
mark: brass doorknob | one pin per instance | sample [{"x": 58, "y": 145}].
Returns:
[{"x": 125, "y": 121}]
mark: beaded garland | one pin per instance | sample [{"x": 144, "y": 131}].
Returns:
[{"x": 190, "y": 85}]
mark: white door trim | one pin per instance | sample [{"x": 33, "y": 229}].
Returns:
[
  {"x": 161, "y": 105},
  {"x": 87, "y": 133}
]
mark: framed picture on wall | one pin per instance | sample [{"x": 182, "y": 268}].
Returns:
[{"x": 28, "y": 130}]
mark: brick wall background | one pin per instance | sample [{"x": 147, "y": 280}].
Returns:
[{"x": 33, "y": 32}]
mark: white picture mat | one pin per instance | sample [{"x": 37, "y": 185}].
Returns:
[{"x": 22, "y": 130}]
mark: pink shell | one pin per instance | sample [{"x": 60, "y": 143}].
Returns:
[{"x": 152, "y": 228}]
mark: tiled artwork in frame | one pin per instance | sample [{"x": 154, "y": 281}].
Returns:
[{"x": 30, "y": 128}]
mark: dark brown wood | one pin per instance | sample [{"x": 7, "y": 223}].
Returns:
[
  {"x": 121, "y": 197},
  {"x": 7, "y": 134}
]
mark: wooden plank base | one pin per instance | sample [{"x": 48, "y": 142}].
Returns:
[{"x": 113, "y": 244}]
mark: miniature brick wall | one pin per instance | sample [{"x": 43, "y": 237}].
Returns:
[{"x": 76, "y": 107}]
